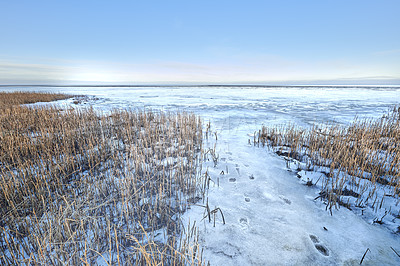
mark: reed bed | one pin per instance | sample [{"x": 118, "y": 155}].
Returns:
[
  {"x": 83, "y": 187},
  {"x": 20, "y": 97},
  {"x": 359, "y": 163}
]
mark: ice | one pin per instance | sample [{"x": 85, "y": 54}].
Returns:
[{"x": 271, "y": 216}]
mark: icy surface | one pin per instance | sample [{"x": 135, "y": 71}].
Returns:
[{"x": 271, "y": 216}]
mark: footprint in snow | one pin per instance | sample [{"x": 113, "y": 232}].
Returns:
[
  {"x": 244, "y": 223},
  {"x": 287, "y": 201},
  {"x": 314, "y": 239},
  {"x": 321, "y": 248},
  {"x": 237, "y": 169}
]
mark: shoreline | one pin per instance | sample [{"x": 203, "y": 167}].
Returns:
[{"x": 209, "y": 86}]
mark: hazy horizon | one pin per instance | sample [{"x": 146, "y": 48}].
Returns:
[{"x": 333, "y": 83}]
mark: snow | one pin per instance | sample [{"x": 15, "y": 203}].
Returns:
[
  {"x": 273, "y": 219},
  {"x": 271, "y": 216}
]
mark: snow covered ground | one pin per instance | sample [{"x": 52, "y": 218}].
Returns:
[{"x": 271, "y": 217}]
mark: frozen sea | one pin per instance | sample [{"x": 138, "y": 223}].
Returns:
[
  {"x": 271, "y": 218},
  {"x": 246, "y": 105}
]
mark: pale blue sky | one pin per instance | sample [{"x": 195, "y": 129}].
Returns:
[{"x": 180, "y": 42}]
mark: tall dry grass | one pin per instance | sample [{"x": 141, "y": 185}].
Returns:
[
  {"x": 81, "y": 187},
  {"x": 20, "y": 97},
  {"x": 362, "y": 159}
]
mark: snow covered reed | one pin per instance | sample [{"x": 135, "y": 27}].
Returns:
[
  {"x": 82, "y": 187},
  {"x": 359, "y": 163}
]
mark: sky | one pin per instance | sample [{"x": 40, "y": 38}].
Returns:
[{"x": 200, "y": 42}]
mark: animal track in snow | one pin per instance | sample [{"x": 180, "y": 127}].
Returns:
[{"x": 321, "y": 248}]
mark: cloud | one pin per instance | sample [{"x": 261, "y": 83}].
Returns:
[{"x": 12, "y": 72}]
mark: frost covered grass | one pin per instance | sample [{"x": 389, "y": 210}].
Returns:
[
  {"x": 358, "y": 165},
  {"x": 78, "y": 186}
]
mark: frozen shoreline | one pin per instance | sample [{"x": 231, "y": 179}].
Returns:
[{"x": 271, "y": 218}]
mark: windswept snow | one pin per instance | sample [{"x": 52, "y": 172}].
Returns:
[{"x": 271, "y": 217}]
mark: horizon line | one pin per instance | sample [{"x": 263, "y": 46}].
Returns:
[{"x": 201, "y": 85}]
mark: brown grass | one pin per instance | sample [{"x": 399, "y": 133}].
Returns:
[
  {"x": 19, "y": 97},
  {"x": 365, "y": 150},
  {"x": 82, "y": 187}
]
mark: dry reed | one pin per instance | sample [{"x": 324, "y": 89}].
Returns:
[
  {"x": 361, "y": 160},
  {"x": 20, "y": 97},
  {"x": 82, "y": 187}
]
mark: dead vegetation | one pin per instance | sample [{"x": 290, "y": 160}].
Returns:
[
  {"x": 20, "y": 97},
  {"x": 359, "y": 162},
  {"x": 82, "y": 187}
]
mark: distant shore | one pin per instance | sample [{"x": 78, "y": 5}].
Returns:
[{"x": 211, "y": 85}]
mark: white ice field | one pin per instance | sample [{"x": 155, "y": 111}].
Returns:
[{"x": 271, "y": 217}]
